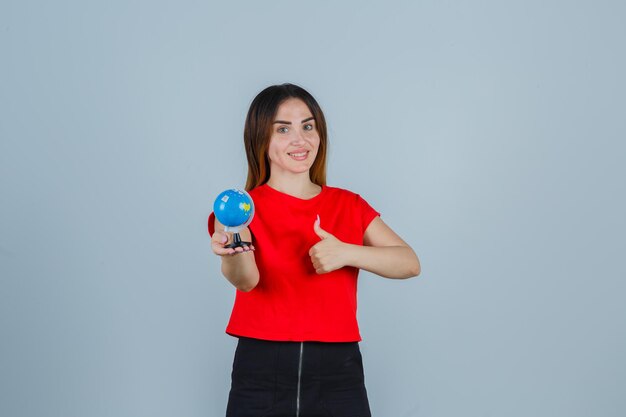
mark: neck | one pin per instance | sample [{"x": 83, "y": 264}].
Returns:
[{"x": 296, "y": 185}]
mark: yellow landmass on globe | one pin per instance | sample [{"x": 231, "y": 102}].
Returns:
[{"x": 246, "y": 207}]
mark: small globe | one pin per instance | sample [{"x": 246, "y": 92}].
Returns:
[{"x": 234, "y": 208}]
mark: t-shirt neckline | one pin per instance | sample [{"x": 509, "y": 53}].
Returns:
[{"x": 294, "y": 198}]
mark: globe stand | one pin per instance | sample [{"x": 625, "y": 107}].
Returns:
[{"x": 237, "y": 242}]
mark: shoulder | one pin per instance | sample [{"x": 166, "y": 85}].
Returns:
[
  {"x": 337, "y": 191},
  {"x": 344, "y": 194},
  {"x": 353, "y": 199},
  {"x": 257, "y": 192},
  {"x": 349, "y": 199}
]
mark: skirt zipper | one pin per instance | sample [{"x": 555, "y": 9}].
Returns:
[{"x": 299, "y": 376}]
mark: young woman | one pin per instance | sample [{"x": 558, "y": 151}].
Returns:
[{"x": 295, "y": 305}]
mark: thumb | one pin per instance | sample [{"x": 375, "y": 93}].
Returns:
[
  {"x": 318, "y": 230},
  {"x": 220, "y": 237}
]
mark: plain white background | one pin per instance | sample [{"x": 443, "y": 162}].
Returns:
[{"x": 490, "y": 135}]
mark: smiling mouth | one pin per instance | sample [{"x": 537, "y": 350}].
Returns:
[{"x": 299, "y": 156}]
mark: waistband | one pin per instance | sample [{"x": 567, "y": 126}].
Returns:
[{"x": 291, "y": 358}]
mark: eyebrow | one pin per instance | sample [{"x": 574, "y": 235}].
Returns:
[{"x": 288, "y": 123}]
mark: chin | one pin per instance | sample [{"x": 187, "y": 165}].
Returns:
[{"x": 300, "y": 171}]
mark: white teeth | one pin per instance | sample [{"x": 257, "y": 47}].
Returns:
[{"x": 298, "y": 154}]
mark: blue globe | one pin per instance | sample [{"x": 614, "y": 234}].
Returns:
[{"x": 234, "y": 208}]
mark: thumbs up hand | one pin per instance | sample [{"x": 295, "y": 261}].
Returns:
[{"x": 329, "y": 253}]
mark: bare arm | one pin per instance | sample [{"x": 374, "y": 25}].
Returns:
[
  {"x": 238, "y": 265},
  {"x": 384, "y": 253}
]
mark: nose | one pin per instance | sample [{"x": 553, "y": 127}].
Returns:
[{"x": 297, "y": 137}]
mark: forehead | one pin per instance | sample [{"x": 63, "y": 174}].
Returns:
[{"x": 293, "y": 108}]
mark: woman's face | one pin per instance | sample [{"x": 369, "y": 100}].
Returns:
[{"x": 294, "y": 141}]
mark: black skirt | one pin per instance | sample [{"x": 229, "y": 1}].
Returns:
[{"x": 297, "y": 379}]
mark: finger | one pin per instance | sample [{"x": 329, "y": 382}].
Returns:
[
  {"x": 323, "y": 234},
  {"x": 314, "y": 249},
  {"x": 223, "y": 252},
  {"x": 219, "y": 249},
  {"x": 220, "y": 237}
]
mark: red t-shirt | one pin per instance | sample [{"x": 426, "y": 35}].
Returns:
[{"x": 292, "y": 302}]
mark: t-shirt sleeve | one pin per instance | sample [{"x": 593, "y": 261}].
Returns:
[
  {"x": 211, "y": 224},
  {"x": 367, "y": 212}
]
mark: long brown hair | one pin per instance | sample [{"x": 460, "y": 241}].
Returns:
[{"x": 258, "y": 131}]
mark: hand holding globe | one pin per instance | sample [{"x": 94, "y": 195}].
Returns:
[{"x": 234, "y": 209}]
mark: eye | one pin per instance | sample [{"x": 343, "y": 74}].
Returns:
[
  {"x": 283, "y": 129},
  {"x": 308, "y": 126}
]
